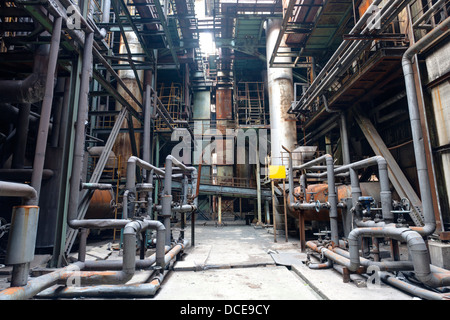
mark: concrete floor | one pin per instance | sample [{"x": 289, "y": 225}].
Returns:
[{"x": 241, "y": 262}]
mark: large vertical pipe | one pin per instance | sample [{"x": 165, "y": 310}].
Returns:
[
  {"x": 344, "y": 139},
  {"x": 21, "y": 270},
  {"x": 41, "y": 143},
  {"x": 283, "y": 130},
  {"x": 416, "y": 128},
  {"x": 332, "y": 199},
  {"x": 78, "y": 153},
  {"x": 281, "y": 94},
  {"x": 258, "y": 186},
  {"x": 146, "y": 147}
]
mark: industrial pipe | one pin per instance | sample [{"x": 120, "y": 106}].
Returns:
[
  {"x": 42, "y": 136},
  {"x": 140, "y": 290},
  {"x": 78, "y": 153},
  {"x": 12, "y": 189},
  {"x": 23, "y": 231},
  {"x": 332, "y": 197},
  {"x": 166, "y": 201},
  {"x": 416, "y": 128},
  {"x": 63, "y": 275},
  {"x": 385, "y": 194},
  {"x": 38, "y": 284},
  {"x": 416, "y": 247}
]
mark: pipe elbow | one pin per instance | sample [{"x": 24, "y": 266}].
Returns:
[
  {"x": 133, "y": 227},
  {"x": 381, "y": 161}
]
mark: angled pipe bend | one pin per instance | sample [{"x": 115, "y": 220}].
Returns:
[{"x": 416, "y": 246}]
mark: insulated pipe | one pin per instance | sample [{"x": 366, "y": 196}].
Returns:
[
  {"x": 12, "y": 189},
  {"x": 332, "y": 197},
  {"x": 79, "y": 142},
  {"x": 344, "y": 139},
  {"x": 64, "y": 275},
  {"x": 382, "y": 265},
  {"x": 166, "y": 201},
  {"x": 416, "y": 246},
  {"x": 140, "y": 290},
  {"x": 22, "y": 237},
  {"x": 343, "y": 258},
  {"x": 117, "y": 264},
  {"x": 131, "y": 171},
  {"x": 412, "y": 289},
  {"x": 41, "y": 143},
  {"x": 386, "y": 197},
  {"x": 38, "y": 284},
  {"x": 416, "y": 128}
]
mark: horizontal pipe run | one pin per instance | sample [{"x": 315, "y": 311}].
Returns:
[
  {"x": 325, "y": 265},
  {"x": 141, "y": 290},
  {"x": 63, "y": 275},
  {"x": 131, "y": 171},
  {"x": 412, "y": 289},
  {"x": 97, "y": 186},
  {"x": 383, "y": 265},
  {"x": 178, "y": 208},
  {"x": 416, "y": 246},
  {"x": 99, "y": 265},
  {"x": 12, "y": 189},
  {"x": 37, "y": 285},
  {"x": 117, "y": 291}
]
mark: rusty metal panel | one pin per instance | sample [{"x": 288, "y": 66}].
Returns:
[
  {"x": 224, "y": 104},
  {"x": 225, "y": 175}
]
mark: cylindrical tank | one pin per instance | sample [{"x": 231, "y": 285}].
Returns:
[
  {"x": 320, "y": 193},
  {"x": 101, "y": 205}
]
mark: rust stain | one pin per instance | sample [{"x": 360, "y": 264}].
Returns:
[{"x": 12, "y": 291}]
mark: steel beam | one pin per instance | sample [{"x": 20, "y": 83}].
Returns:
[{"x": 396, "y": 175}]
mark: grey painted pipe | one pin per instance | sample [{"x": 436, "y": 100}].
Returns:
[
  {"x": 166, "y": 201},
  {"x": 13, "y": 189},
  {"x": 132, "y": 162},
  {"x": 332, "y": 197},
  {"x": 178, "y": 208},
  {"x": 38, "y": 284},
  {"x": 387, "y": 265},
  {"x": 416, "y": 247},
  {"x": 343, "y": 258},
  {"x": 386, "y": 196},
  {"x": 42, "y": 136},
  {"x": 416, "y": 128},
  {"x": 79, "y": 142},
  {"x": 117, "y": 264},
  {"x": 410, "y": 288},
  {"x": 117, "y": 291}
]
